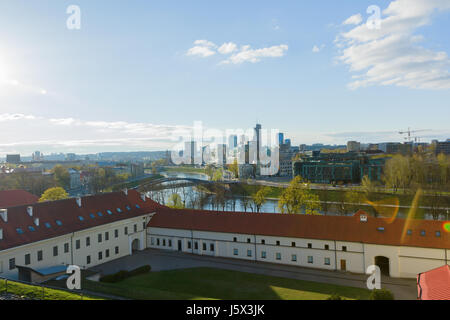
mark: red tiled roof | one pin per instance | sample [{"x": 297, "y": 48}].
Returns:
[
  {"x": 12, "y": 198},
  {"x": 339, "y": 228},
  {"x": 67, "y": 211},
  {"x": 434, "y": 284}
]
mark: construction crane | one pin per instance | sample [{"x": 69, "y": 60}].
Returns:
[{"x": 409, "y": 138}]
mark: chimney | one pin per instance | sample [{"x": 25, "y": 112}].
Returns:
[
  {"x": 30, "y": 211},
  {"x": 4, "y": 214},
  {"x": 79, "y": 201},
  {"x": 1, "y": 234},
  {"x": 143, "y": 196},
  {"x": 125, "y": 191},
  {"x": 36, "y": 222}
]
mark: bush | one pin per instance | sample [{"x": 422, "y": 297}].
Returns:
[
  {"x": 122, "y": 275},
  {"x": 335, "y": 296},
  {"x": 381, "y": 294}
]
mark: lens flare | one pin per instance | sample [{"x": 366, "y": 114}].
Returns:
[
  {"x": 446, "y": 226},
  {"x": 387, "y": 208}
]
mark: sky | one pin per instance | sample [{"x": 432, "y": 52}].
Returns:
[{"x": 136, "y": 75}]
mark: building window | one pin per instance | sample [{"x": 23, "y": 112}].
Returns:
[
  {"x": 135, "y": 228},
  {"x": 196, "y": 245},
  {"x": 278, "y": 256},
  {"x": 294, "y": 257},
  {"x": 88, "y": 241},
  {"x": 204, "y": 246},
  {"x": 263, "y": 254},
  {"x": 234, "y": 239},
  {"x": 153, "y": 241},
  {"x": 422, "y": 233},
  {"x": 77, "y": 244},
  {"x": 189, "y": 245},
  {"x": 211, "y": 247},
  {"x": 278, "y": 243},
  {"x": 106, "y": 236},
  {"x": 263, "y": 241},
  {"x": 249, "y": 253},
  {"x": 116, "y": 233},
  {"x": 309, "y": 245},
  {"x": 310, "y": 259},
  {"x": 55, "y": 251},
  {"x": 292, "y": 244},
  {"x": 99, "y": 237},
  {"x": 39, "y": 255},
  {"x": 327, "y": 247},
  {"x": 327, "y": 261},
  {"x": 12, "y": 263},
  {"x": 344, "y": 248},
  {"x": 126, "y": 230},
  {"x": 164, "y": 242},
  {"x": 170, "y": 243},
  {"x": 248, "y": 240},
  {"x": 438, "y": 233},
  {"x": 66, "y": 247},
  {"x": 409, "y": 232},
  {"x": 157, "y": 241},
  {"x": 235, "y": 252},
  {"x": 143, "y": 225},
  {"x": 107, "y": 253},
  {"x": 100, "y": 255},
  {"x": 116, "y": 250},
  {"x": 27, "y": 259},
  {"x": 88, "y": 260}
]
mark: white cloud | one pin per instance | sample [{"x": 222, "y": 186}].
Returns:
[
  {"x": 355, "y": 19},
  {"x": 202, "y": 48},
  {"x": 246, "y": 54},
  {"x": 317, "y": 49},
  {"x": 227, "y": 48},
  {"x": 391, "y": 55}
]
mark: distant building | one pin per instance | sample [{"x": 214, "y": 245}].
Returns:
[
  {"x": 37, "y": 156},
  {"x": 442, "y": 147},
  {"x": 353, "y": 146},
  {"x": 75, "y": 178},
  {"x": 232, "y": 142},
  {"x": 190, "y": 148},
  {"x": 71, "y": 157},
  {"x": 221, "y": 154},
  {"x": 13, "y": 158},
  {"x": 396, "y": 147},
  {"x": 136, "y": 170},
  {"x": 280, "y": 138}
]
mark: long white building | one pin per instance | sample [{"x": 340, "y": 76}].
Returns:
[
  {"x": 402, "y": 248},
  {"x": 92, "y": 230},
  {"x": 80, "y": 231}
]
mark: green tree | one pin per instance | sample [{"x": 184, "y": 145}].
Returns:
[
  {"x": 61, "y": 175},
  {"x": 174, "y": 201},
  {"x": 297, "y": 196},
  {"x": 217, "y": 175},
  {"x": 52, "y": 194},
  {"x": 260, "y": 197},
  {"x": 234, "y": 168}
]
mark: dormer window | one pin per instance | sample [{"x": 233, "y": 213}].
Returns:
[
  {"x": 438, "y": 233},
  {"x": 92, "y": 215},
  {"x": 19, "y": 231},
  {"x": 31, "y": 228},
  {"x": 109, "y": 212},
  {"x": 100, "y": 214},
  {"x": 58, "y": 222},
  {"x": 80, "y": 218},
  {"x": 422, "y": 233},
  {"x": 381, "y": 229}
]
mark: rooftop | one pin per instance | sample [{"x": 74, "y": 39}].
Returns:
[{"x": 12, "y": 198}]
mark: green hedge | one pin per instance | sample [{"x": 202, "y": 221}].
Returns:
[
  {"x": 122, "y": 275},
  {"x": 381, "y": 294}
]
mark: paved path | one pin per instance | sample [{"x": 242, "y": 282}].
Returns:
[{"x": 403, "y": 289}]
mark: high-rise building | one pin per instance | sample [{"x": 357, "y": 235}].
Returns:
[
  {"x": 189, "y": 152},
  {"x": 280, "y": 138},
  {"x": 37, "y": 156},
  {"x": 232, "y": 141},
  {"x": 13, "y": 158},
  {"x": 353, "y": 146},
  {"x": 258, "y": 141},
  {"x": 221, "y": 154},
  {"x": 442, "y": 147}
]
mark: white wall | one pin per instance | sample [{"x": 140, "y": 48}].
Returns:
[{"x": 405, "y": 262}]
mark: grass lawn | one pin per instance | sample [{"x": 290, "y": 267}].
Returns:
[
  {"x": 36, "y": 292},
  {"x": 211, "y": 283}
]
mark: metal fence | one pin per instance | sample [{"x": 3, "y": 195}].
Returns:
[{"x": 35, "y": 291}]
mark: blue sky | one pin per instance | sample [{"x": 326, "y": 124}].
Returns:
[{"x": 137, "y": 71}]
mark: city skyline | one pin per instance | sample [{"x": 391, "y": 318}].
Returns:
[{"x": 133, "y": 77}]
